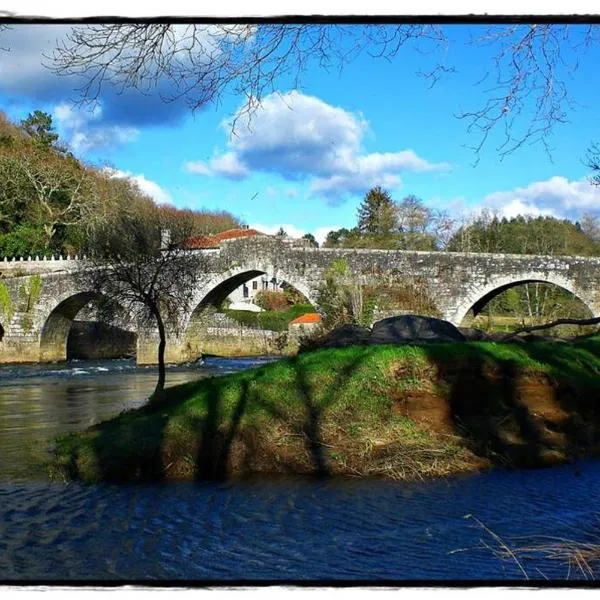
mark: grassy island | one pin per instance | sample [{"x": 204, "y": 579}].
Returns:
[{"x": 402, "y": 412}]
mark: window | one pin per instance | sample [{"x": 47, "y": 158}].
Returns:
[
  {"x": 245, "y": 291},
  {"x": 255, "y": 285}
]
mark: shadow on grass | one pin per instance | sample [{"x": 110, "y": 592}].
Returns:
[
  {"x": 502, "y": 407},
  {"x": 518, "y": 416}
]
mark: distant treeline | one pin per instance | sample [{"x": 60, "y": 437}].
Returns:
[
  {"x": 50, "y": 200},
  {"x": 411, "y": 225}
]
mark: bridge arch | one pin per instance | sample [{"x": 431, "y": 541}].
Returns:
[
  {"x": 478, "y": 296},
  {"x": 57, "y": 324},
  {"x": 216, "y": 289}
]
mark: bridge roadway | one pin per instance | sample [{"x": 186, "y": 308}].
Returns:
[{"x": 456, "y": 282}]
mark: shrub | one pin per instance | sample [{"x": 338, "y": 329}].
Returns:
[{"x": 273, "y": 301}]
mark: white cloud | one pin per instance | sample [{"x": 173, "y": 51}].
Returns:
[
  {"x": 301, "y": 137},
  {"x": 197, "y": 166},
  {"x": 319, "y": 234},
  {"x": 147, "y": 186},
  {"x": 517, "y": 207},
  {"x": 557, "y": 196},
  {"x": 84, "y": 133},
  {"x": 229, "y": 165}
]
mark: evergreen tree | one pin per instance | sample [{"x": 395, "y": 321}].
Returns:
[
  {"x": 377, "y": 213},
  {"x": 38, "y": 125},
  {"x": 311, "y": 238}
]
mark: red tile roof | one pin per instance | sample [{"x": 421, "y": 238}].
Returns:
[
  {"x": 214, "y": 241},
  {"x": 307, "y": 318}
]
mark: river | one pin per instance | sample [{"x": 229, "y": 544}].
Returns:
[{"x": 377, "y": 531}]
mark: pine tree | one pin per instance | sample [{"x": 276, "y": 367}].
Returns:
[
  {"x": 38, "y": 125},
  {"x": 377, "y": 213}
]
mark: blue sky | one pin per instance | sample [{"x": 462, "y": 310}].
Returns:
[{"x": 312, "y": 153}]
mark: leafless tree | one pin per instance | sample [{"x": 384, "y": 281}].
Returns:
[
  {"x": 59, "y": 189},
  {"x": 530, "y": 65},
  {"x": 146, "y": 273},
  {"x": 593, "y": 162},
  {"x": 528, "y": 94}
]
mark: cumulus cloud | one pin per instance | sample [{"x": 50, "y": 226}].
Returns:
[
  {"x": 301, "y": 137},
  {"x": 557, "y": 196},
  {"x": 149, "y": 187},
  {"x": 319, "y": 234},
  {"x": 24, "y": 74},
  {"x": 84, "y": 130}
]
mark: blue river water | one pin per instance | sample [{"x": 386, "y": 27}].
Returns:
[{"x": 288, "y": 530}]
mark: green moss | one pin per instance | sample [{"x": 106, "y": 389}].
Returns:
[
  {"x": 6, "y": 305},
  {"x": 29, "y": 295}
]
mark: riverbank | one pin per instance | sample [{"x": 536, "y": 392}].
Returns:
[{"x": 400, "y": 412}]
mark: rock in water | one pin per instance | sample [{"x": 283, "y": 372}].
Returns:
[{"x": 411, "y": 328}]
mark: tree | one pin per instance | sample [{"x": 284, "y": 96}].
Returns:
[
  {"x": 377, "y": 213},
  {"x": 52, "y": 190},
  {"x": 150, "y": 275},
  {"x": 281, "y": 232},
  {"x": 311, "y": 239},
  {"x": 593, "y": 162},
  {"x": 525, "y": 99},
  {"x": 342, "y": 297},
  {"x": 38, "y": 125}
]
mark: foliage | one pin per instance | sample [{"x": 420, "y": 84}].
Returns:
[
  {"x": 376, "y": 213},
  {"x": 387, "y": 224},
  {"x": 410, "y": 295},
  {"x": 523, "y": 235},
  {"x": 271, "y": 300},
  {"x": 6, "y": 304},
  {"x": 341, "y": 297},
  {"x": 276, "y": 320},
  {"x": 38, "y": 125},
  {"x": 50, "y": 200},
  {"x": 134, "y": 269},
  {"x": 203, "y": 221},
  {"x": 293, "y": 295},
  {"x": 25, "y": 239},
  {"x": 311, "y": 238}
]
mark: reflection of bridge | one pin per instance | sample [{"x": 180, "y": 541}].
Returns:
[{"x": 456, "y": 282}]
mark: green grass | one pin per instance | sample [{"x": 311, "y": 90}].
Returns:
[
  {"x": 330, "y": 411},
  {"x": 274, "y": 320}
]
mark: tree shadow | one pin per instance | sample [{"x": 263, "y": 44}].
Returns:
[{"x": 518, "y": 417}]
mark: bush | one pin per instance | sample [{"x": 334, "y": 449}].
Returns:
[
  {"x": 278, "y": 320},
  {"x": 273, "y": 301}
]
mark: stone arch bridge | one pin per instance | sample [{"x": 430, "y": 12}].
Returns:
[{"x": 34, "y": 323}]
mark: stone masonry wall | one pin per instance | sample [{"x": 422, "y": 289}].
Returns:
[{"x": 456, "y": 281}]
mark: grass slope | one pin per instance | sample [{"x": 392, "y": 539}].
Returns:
[{"x": 400, "y": 412}]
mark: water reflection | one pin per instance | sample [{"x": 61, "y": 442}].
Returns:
[
  {"x": 293, "y": 530},
  {"x": 39, "y": 402}
]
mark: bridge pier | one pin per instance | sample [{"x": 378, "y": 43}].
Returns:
[{"x": 19, "y": 349}]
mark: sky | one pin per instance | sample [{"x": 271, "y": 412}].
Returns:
[{"x": 314, "y": 148}]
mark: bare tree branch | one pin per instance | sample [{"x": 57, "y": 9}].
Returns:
[
  {"x": 529, "y": 97},
  {"x": 592, "y": 321},
  {"x": 199, "y": 63},
  {"x": 530, "y": 66}
]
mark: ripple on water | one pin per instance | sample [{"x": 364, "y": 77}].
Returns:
[{"x": 292, "y": 530}]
